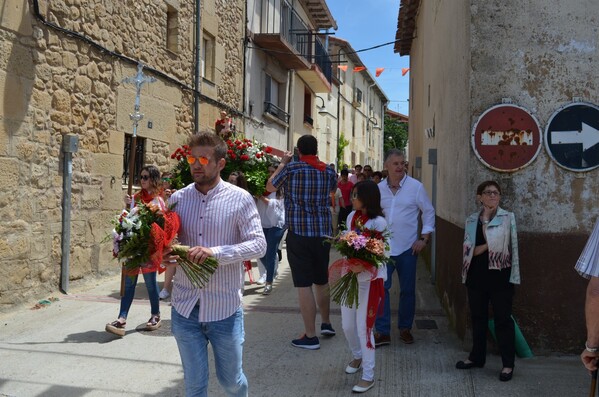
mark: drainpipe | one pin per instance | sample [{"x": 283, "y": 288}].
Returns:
[
  {"x": 339, "y": 160},
  {"x": 197, "y": 78},
  {"x": 290, "y": 103},
  {"x": 245, "y": 55},
  {"x": 69, "y": 146}
]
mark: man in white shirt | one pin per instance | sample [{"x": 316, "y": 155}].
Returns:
[
  {"x": 588, "y": 267},
  {"x": 218, "y": 220},
  {"x": 403, "y": 198}
]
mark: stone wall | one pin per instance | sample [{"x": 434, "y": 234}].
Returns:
[{"x": 54, "y": 83}]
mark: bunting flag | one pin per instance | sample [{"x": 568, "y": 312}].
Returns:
[
  {"x": 343, "y": 67},
  {"x": 379, "y": 71},
  {"x": 404, "y": 71},
  {"x": 359, "y": 68}
]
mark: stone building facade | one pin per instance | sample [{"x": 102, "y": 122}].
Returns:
[
  {"x": 61, "y": 69},
  {"x": 465, "y": 57}
]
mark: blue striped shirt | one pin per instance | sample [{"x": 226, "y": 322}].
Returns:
[
  {"x": 307, "y": 198},
  {"x": 588, "y": 263},
  {"x": 226, "y": 221}
]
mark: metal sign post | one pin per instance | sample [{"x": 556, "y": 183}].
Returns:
[{"x": 139, "y": 79}]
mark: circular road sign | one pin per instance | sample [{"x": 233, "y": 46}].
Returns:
[
  {"x": 506, "y": 138},
  {"x": 572, "y": 136}
]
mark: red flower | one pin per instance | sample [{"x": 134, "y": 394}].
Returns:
[
  {"x": 238, "y": 142},
  {"x": 229, "y": 152},
  {"x": 258, "y": 155},
  {"x": 233, "y": 156},
  {"x": 239, "y": 147},
  {"x": 268, "y": 149},
  {"x": 245, "y": 157},
  {"x": 173, "y": 155}
]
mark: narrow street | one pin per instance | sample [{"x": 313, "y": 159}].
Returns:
[{"x": 62, "y": 350}]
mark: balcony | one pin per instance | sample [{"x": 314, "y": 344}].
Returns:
[
  {"x": 275, "y": 111},
  {"x": 296, "y": 47}
]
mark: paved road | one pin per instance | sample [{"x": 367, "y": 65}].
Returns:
[{"x": 62, "y": 350}]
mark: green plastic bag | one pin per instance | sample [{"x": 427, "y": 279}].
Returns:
[{"x": 522, "y": 348}]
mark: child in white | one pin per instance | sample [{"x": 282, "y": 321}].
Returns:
[{"x": 366, "y": 201}]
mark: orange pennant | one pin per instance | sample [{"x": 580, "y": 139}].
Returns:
[
  {"x": 359, "y": 68},
  {"x": 343, "y": 67},
  {"x": 404, "y": 71},
  {"x": 379, "y": 71}
]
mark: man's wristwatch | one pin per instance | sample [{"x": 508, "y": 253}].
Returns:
[{"x": 590, "y": 349}]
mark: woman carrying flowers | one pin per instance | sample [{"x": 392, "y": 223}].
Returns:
[
  {"x": 149, "y": 195},
  {"x": 366, "y": 226}
]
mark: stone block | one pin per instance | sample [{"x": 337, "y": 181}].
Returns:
[
  {"x": 83, "y": 84},
  {"x": 14, "y": 105},
  {"x": 5, "y": 141},
  {"x": 91, "y": 199},
  {"x": 41, "y": 244},
  {"x": 15, "y": 241},
  {"x": 16, "y": 16},
  {"x": 167, "y": 92},
  {"x": 9, "y": 172},
  {"x": 69, "y": 60},
  {"x": 80, "y": 263},
  {"x": 61, "y": 101},
  {"x": 107, "y": 164},
  {"x": 161, "y": 113}
]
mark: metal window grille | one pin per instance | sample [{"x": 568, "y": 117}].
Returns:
[{"x": 139, "y": 158}]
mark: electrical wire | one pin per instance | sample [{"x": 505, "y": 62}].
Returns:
[{"x": 325, "y": 55}]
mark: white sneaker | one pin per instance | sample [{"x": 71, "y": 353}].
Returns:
[
  {"x": 164, "y": 294},
  {"x": 261, "y": 280}
]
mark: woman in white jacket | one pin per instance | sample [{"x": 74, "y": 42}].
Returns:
[
  {"x": 366, "y": 201},
  {"x": 272, "y": 214}
]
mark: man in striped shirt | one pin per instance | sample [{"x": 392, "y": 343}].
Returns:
[
  {"x": 307, "y": 183},
  {"x": 217, "y": 220},
  {"x": 588, "y": 267}
]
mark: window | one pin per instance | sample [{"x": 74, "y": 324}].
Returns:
[
  {"x": 358, "y": 95},
  {"x": 308, "y": 108},
  {"x": 140, "y": 145},
  {"x": 172, "y": 29},
  {"x": 207, "y": 57},
  {"x": 272, "y": 102}
]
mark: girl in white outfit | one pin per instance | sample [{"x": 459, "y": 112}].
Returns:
[{"x": 366, "y": 202}]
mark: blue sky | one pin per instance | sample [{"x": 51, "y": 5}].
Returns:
[{"x": 367, "y": 23}]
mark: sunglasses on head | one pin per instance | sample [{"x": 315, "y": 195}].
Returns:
[{"x": 201, "y": 159}]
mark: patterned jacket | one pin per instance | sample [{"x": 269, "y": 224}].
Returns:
[{"x": 502, "y": 240}]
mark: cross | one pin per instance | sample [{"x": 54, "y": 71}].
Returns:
[{"x": 139, "y": 79}]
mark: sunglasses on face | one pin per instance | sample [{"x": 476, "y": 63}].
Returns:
[
  {"x": 145, "y": 177},
  {"x": 201, "y": 159}
]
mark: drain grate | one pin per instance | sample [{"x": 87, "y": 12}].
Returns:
[{"x": 426, "y": 324}]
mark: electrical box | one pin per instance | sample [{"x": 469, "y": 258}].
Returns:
[
  {"x": 432, "y": 156},
  {"x": 70, "y": 143}
]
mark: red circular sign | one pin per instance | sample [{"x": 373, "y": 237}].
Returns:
[{"x": 506, "y": 138}]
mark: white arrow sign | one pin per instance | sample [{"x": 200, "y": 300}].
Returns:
[{"x": 587, "y": 136}]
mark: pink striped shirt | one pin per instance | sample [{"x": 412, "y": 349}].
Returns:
[{"x": 226, "y": 221}]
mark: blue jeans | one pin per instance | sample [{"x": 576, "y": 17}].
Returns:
[
  {"x": 273, "y": 237},
  {"x": 226, "y": 337},
  {"x": 406, "y": 273},
  {"x": 130, "y": 284}
]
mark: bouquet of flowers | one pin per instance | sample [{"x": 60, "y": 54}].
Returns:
[
  {"x": 141, "y": 235},
  {"x": 363, "y": 250},
  {"x": 243, "y": 154},
  {"x": 251, "y": 158}
]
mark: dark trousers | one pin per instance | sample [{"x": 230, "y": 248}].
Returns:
[
  {"x": 501, "y": 301},
  {"x": 343, "y": 213}
]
